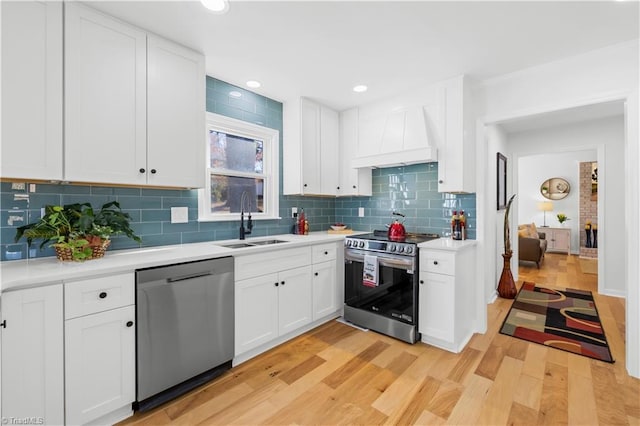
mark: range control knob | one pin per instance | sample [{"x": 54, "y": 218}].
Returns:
[
  {"x": 392, "y": 247},
  {"x": 409, "y": 249},
  {"x": 361, "y": 245},
  {"x": 347, "y": 243},
  {"x": 400, "y": 249}
]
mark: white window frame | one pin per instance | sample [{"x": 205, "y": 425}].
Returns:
[{"x": 271, "y": 165}]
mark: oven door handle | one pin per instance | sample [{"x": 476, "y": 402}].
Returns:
[{"x": 395, "y": 262}]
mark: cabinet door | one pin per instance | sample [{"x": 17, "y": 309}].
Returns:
[
  {"x": 294, "y": 299},
  {"x": 99, "y": 364},
  {"x": 456, "y": 154},
  {"x": 310, "y": 146},
  {"x": 105, "y": 99},
  {"x": 352, "y": 181},
  {"x": 329, "y": 161},
  {"x": 176, "y": 115},
  {"x": 32, "y": 354},
  {"x": 325, "y": 290},
  {"x": 32, "y": 90},
  {"x": 256, "y": 312},
  {"x": 437, "y": 306}
]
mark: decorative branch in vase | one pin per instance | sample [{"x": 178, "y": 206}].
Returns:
[{"x": 506, "y": 285}]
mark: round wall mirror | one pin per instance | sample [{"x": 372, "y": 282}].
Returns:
[{"x": 555, "y": 188}]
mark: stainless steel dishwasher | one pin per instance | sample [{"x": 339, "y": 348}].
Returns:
[{"x": 185, "y": 317}]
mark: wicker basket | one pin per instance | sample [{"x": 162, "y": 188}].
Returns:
[{"x": 97, "y": 252}]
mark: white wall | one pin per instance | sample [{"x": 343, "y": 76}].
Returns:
[{"x": 599, "y": 76}]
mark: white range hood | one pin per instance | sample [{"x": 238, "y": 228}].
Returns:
[{"x": 399, "y": 137}]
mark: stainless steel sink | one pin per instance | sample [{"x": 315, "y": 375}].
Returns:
[
  {"x": 236, "y": 245},
  {"x": 252, "y": 244},
  {"x": 268, "y": 242}
]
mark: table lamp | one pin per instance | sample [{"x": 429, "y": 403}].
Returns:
[{"x": 545, "y": 206}]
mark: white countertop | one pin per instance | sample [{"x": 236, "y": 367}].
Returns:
[
  {"x": 447, "y": 244},
  {"x": 36, "y": 272}
]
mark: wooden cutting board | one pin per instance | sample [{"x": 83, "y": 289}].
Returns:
[{"x": 342, "y": 231}]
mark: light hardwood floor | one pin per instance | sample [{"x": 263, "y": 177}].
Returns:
[{"x": 336, "y": 374}]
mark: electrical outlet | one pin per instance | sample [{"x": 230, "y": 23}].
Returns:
[
  {"x": 18, "y": 186},
  {"x": 179, "y": 214},
  {"x": 32, "y": 187},
  {"x": 360, "y": 211},
  {"x": 294, "y": 212}
]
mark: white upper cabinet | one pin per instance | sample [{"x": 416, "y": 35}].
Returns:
[
  {"x": 311, "y": 133},
  {"x": 105, "y": 99},
  {"x": 176, "y": 115},
  {"x": 134, "y": 105},
  {"x": 352, "y": 181},
  {"x": 456, "y": 153},
  {"x": 31, "y": 90}
]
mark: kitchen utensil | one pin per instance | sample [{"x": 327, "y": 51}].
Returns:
[{"x": 396, "y": 229}]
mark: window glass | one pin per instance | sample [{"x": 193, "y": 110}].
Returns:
[
  {"x": 236, "y": 153},
  {"x": 226, "y": 194}
]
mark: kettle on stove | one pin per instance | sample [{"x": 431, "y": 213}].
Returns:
[{"x": 396, "y": 229}]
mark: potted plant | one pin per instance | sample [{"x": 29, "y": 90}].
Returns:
[
  {"x": 77, "y": 231},
  {"x": 562, "y": 218}
]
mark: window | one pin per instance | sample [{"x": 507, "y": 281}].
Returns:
[{"x": 242, "y": 158}]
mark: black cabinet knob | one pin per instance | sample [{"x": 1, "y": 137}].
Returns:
[
  {"x": 129, "y": 323},
  {"x": 281, "y": 282},
  {"x": 153, "y": 171},
  {"x": 337, "y": 187},
  {"x": 142, "y": 170},
  {"x": 354, "y": 187},
  {"x": 435, "y": 262},
  {"x": 326, "y": 252},
  {"x": 421, "y": 281},
  {"x": 102, "y": 295},
  {"x": 316, "y": 274},
  {"x": 305, "y": 185},
  {"x": 277, "y": 284},
  {"x": 440, "y": 181}
]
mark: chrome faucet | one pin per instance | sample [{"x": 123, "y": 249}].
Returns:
[{"x": 244, "y": 231}]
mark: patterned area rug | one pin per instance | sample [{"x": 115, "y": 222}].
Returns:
[{"x": 561, "y": 318}]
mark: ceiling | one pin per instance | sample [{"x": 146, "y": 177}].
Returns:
[{"x": 322, "y": 49}]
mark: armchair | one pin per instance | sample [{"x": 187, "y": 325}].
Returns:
[{"x": 531, "y": 244}]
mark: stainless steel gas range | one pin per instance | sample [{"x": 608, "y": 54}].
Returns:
[{"x": 381, "y": 283}]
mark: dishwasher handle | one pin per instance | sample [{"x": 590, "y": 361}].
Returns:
[{"x": 189, "y": 277}]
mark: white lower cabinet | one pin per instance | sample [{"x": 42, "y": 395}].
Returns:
[
  {"x": 446, "y": 297},
  {"x": 325, "y": 279},
  {"x": 99, "y": 364},
  {"x": 32, "y": 355},
  {"x": 271, "y": 305},
  {"x": 559, "y": 239},
  {"x": 99, "y": 349}
]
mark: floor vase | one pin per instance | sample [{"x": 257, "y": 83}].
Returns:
[{"x": 506, "y": 285}]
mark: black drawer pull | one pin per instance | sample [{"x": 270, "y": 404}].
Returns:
[
  {"x": 153, "y": 171},
  {"x": 142, "y": 170},
  {"x": 421, "y": 281},
  {"x": 316, "y": 274},
  {"x": 277, "y": 284},
  {"x": 129, "y": 323},
  {"x": 102, "y": 295},
  {"x": 435, "y": 262},
  {"x": 282, "y": 282},
  {"x": 326, "y": 252}
]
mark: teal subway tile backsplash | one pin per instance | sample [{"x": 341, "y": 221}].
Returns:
[{"x": 411, "y": 190}]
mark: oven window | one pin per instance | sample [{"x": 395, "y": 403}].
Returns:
[{"x": 394, "y": 297}]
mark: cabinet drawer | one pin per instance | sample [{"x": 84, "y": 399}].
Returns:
[
  {"x": 323, "y": 252},
  {"x": 254, "y": 265},
  {"x": 438, "y": 261},
  {"x": 98, "y": 294}
]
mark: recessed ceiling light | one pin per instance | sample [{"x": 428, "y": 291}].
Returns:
[
  {"x": 360, "y": 88},
  {"x": 235, "y": 94},
  {"x": 253, "y": 84},
  {"x": 217, "y": 6}
]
